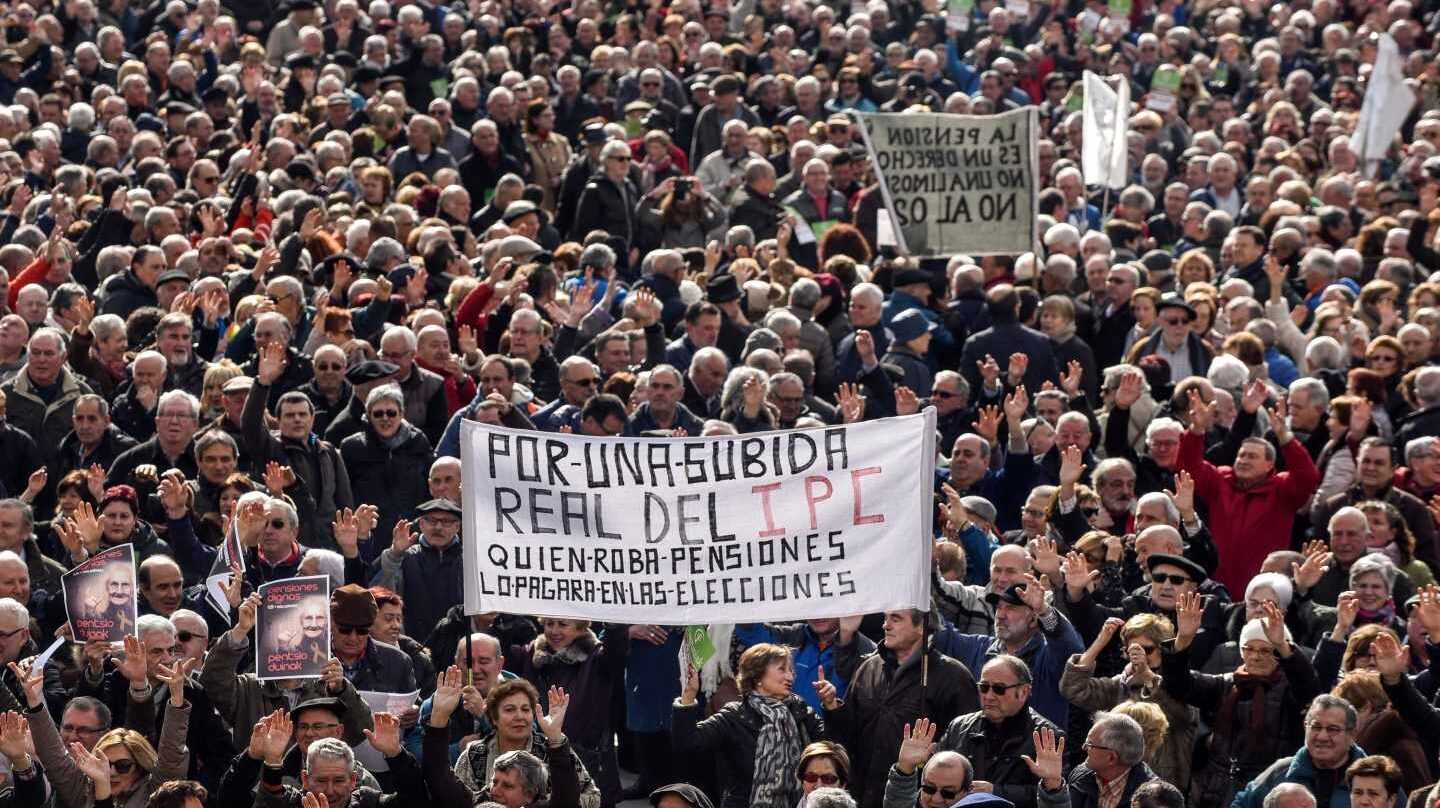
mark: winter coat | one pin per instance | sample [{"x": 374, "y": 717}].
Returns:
[
  {"x": 46, "y": 424},
  {"x": 73, "y": 788},
  {"x": 995, "y": 750},
  {"x": 1296, "y": 769},
  {"x": 1084, "y": 690},
  {"x": 1000, "y": 341},
  {"x": 445, "y": 789},
  {"x": 883, "y": 697},
  {"x": 730, "y": 736},
  {"x": 1248, "y": 523},
  {"x": 390, "y": 475},
  {"x": 473, "y": 767},
  {"x": 1083, "y": 788},
  {"x": 125, "y": 294},
  {"x": 606, "y": 205},
  {"x": 322, "y": 483},
  {"x": 1045, "y": 653},
  {"x": 1239, "y": 755},
  {"x": 589, "y": 670},
  {"x": 430, "y": 579}
]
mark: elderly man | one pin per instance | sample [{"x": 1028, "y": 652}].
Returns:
[
  {"x": 527, "y": 341},
  {"x": 174, "y": 337},
  {"x": 425, "y": 570},
  {"x": 1319, "y": 765},
  {"x": 17, "y": 526},
  {"x": 704, "y": 382},
  {"x": 579, "y": 382},
  {"x": 367, "y": 665},
  {"x": 482, "y": 655},
  {"x": 134, "y": 410},
  {"x": 1028, "y": 627},
  {"x": 1252, "y": 507},
  {"x": 135, "y": 288},
  {"x": 1114, "y": 764},
  {"x": 177, "y": 417},
  {"x": 996, "y": 737},
  {"x": 722, "y": 172},
  {"x": 41, "y": 397},
  {"x": 663, "y": 410},
  {"x": 1349, "y": 533},
  {"x": 274, "y": 328},
  {"x": 946, "y": 780},
  {"x": 885, "y": 691},
  {"x": 970, "y": 471},
  {"x": 607, "y": 201},
  {"x": 135, "y": 679}
]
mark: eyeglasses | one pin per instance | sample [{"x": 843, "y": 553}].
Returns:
[
  {"x": 278, "y": 524},
  {"x": 1087, "y": 746},
  {"x": 997, "y": 688},
  {"x": 1260, "y": 652},
  {"x": 621, "y": 159},
  {"x": 122, "y": 766},
  {"x": 75, "y": 729},
  {"x": 1326, "y": 729},
  {"x": 329, "y": 367},
  {"x": 827, "y": 779},
  {"x": 942, "y": 394},
  {"x": 361, "y": 630},
  {"x": 1090, "y": 513},
  {"x": 317, "y": 727},
  {"x": 586, "y": 382},
  {"x": 1385, "y": 358},
  {"x": 1163, "y": 578},
  {"x": 187, "y": 636},
  {"x": 946, "y": 794},
  {"x": 177, "y": 416},
  {"x": 1173, "y": 320},
  {"x": 384, "y": 414}
]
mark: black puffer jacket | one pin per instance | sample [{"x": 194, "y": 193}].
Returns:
[
  {"x": 996, "y": 750},
  {"x": 391, "y": 475},
  {"x": 730, "y": 736}
]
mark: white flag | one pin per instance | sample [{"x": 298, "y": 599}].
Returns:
[
  {"x": 1388, "y": 102},
  {"x": 1106, "y": 156}
]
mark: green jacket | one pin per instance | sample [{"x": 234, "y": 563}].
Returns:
[{"x": 49, "y": 423}]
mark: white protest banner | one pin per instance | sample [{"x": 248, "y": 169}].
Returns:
[
  {"x": 957, "y": 183},
  {"x": 686, "y": 531},
  {"x": 1388, "y": 101},
  {"x": 1105, "y": 159}
]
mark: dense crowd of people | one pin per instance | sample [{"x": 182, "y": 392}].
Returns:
[{"x": 259, "y": 261}]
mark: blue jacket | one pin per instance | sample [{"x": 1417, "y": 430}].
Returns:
[
  {"x": 652, "y": 682},
  {"x": 1282, "y": 367},
  {"x": 1297, "y": 769},
  {"x": 838, "y": 661},
  {"x": 1006, "y": 488},
  {"x": 1045, "y": 653},
  {"x": 903, "y": 301},
  {"x": 965, "y": 76}
]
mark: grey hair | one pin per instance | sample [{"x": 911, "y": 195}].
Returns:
[
  {"x": 707, "y": 354},
  {"x": 1280, "y": 792},
  {"x": 17, "y": 610},
  {"x": 1172, "y": 511},
  {"x": 192, "y": 404},
  {"x": 1417, "y": 446},
  {"x": 1377, "y": 563},
  {"x": 1123, "y": 735},
  {"x": 614, "y": 148},
  {"x": 334, "y": 749},
  {"x": 389, "y": 391},
  {"x": 534, "y": 775},
  {"x": 869, "y": 291},
  {"x": 1315, "y": 390},
  {"x": 597, "y": 255},
  {"x": 213, "y": 436},
  {"x": 384, "y": 249},
  {"x": 782, "y": 320},
  {"x": 107, "y": 326},
  {"x": 288, "y": 512},
  {"x": 830, "y": 798},
  {"x": 1427, "y": 386},
  {"x": 805, "y": 294},
  {"x": 330, "y": 563},
  {"x": 1161, "y": 425},
  {"x": 27, "y": 514},
  {"x": 1325, "y": 353},
  {"x": 1325, "y": 701},
  {"x": 151, "y": 623},
  {"x": 405, "y": 334},
  {"x": 733, "y": 393}
]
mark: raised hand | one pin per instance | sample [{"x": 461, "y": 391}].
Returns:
[
  {"x": 852, "y": 404},
  {"x": 1047, "y": 765},
  {"x": 1427, "y": 613},
  {"x": 987, "y": 424},
  {"x": 1347, "y": 607},
  {"x": 917, "y": 744},
  {"x": 87, "y": 524},
  {"x": 1317, "y": 563},
  {"x": 865, "y": 347},
  {"x": 1188, "y": 612},
  {"x": 906, "y": 402},
  {"x": 278, "y": 478},
  {"x": 1274, "y": 621},
  {"x": 271, "y": 363},
  {"x": 332, "y": 675},
  {"x": 401, "y": 537},
  {"x": 1129, "y": 391},
  {"x": 447, "y": 696},
  {"x": 1391, "y": 658},
  {"x": 312, "y": 799},
  {"x": 1016, "y": 405},
  {"x": 1015, "y": 371},
  {"x": 1045, "y": 554},
  {"x": 93, "y": 765},
  {"x": 1201, "y": 415},
  {"x": 386, "y": 735},
  {"x": 174, "y": 677},
  {"x": 752, "y": 394},
  {"x": 1184, "y": 494},
  {"x": 691, "y": 688},
  {"x": 1072, "y": 467},
  {"x": 1280, "y": 419},
  {"x": 173, "y": 497},
  {"x": 133, "y": 666},
  {"x": 989, "y": 371},
  {"x": 1033, "y": 591},
  {"x": 1078, "y": 576},
  {"x": 33, "y": 685},
  {"x": 245, "y": 619},
  {"x": 347, "y": 532},
  {"x": 12, "y": 738},
  {"x": 260, "y": 738},
  {"x": 552, "y": 724},
  {"x": 1070, "y": 382},
  {"x": 35, "y": 484},
  {"x": 825, "y": 689}
]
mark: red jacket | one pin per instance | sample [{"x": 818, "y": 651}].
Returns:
[{"x": 1248, "y": 523}]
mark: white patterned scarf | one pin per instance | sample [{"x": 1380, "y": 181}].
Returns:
[{"x": 777, "y": 753}]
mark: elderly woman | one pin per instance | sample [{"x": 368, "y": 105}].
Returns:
[
  {"x": 116, "y": 522},
  {"x": 757, "y": 740},
  {"x": 568, "y": 655},
  {"x": 823, "y": 765},
  {"x": 1270, "y": 689},
  {"x": 123, "y": 769},
  {"x": 1141, "y": 638},
  {"x": 387, "y": 461},
  {"x": 1267, "y": 587},
  {"x": 518, "y": 725}
]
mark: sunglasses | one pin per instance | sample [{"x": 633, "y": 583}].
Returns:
[
  {"x": 122, "y": 766},
  {"x": 361, "y": 630},
  {"x": 827, "y": 779},
  {"x": 1162, "y": 578},
  {"x": 186, "y": 636},
  {"x": 941, "y": 394},
  {"x": 590, "y": 382},
  {"x": 997, "y": 689},
  {"x": 385, "y": 414},
  {"x": 329, "y": 367},
  {"x": 945, "y": 793},
  {"x": 278, "y": 524}
]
